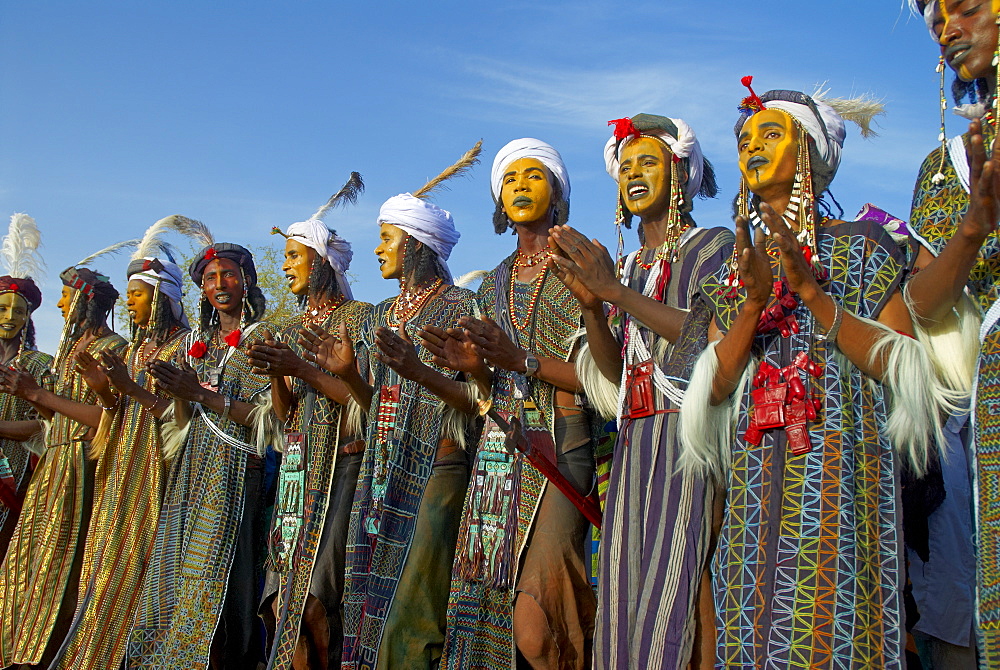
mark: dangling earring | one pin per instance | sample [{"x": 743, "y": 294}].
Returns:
[
  {"x": 619, "y": 220},
  {"x": 942, "y": 135}
]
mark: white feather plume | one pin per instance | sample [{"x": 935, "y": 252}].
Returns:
[
  {"x": 113, "y": 249},
  {"x": 861, "y": 110},
  {"x": 19, "y": 249},
  {"x": 152, "y": 239}
]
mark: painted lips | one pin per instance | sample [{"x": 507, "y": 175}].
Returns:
[
  {"x": 757, "y": 162},
  {"x": 637, "y": 189}
]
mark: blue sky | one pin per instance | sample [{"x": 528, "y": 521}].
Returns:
[{"x": 248, "y": 115}]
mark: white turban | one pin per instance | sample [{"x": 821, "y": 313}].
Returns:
[
  {"x": 685, "y": 145},
  {"x": 528, "y": 147},
  {"x": 424, "y": 220},
  {"x": 331, "y": 246},
  {"x": 169, "y": 281},
  {"x": 829, "y": 144}
]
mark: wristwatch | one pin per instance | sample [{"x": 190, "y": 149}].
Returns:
[{"x": 530, "y": 365}]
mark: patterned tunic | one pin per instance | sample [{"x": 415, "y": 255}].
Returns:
[
  {"x": 212, "y": 497},
  {"x": 38, "y": 578},
  {"x": 656, "y": 519},
  {"x": 808, "y": 571},
  {"x": 405, "y": 430},
  {"x": 506, "y": 490},
  {"x": 14, "y": 455},
  {"x": 318, "y": 419},
  {"x": 937, "y": 211},
  {"x": 128, "y": 485}
]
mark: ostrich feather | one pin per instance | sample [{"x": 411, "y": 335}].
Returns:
[
  {"x": 152, "y": 239},
  {"x": 113, "y": 249},
  {"x": 464, "y": 164},
  {"x": 861, "y": 110},
  {"x": 347, "y": 195},
  {"x": 19, "y": 249}
]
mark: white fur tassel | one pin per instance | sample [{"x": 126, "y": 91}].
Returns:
[
  {"x": 706, "y": 430},
  {"x": 172, "y": 434},
  {"x": 471, "y": 278},
  {"x": 916, "y": 399},
  {"x": 36, "y": 443},
  {"x": 266, "y": 429},
  {"x": 353, "y": 423},
  {"x": 952, "y": 344},
  {"x": 602, "y": 393},
  {"x": 454, "y": 422}
]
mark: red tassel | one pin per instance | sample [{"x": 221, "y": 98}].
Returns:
[
  {"x": 211, "y": 253},
  {"x": 624, "y": 128},
  {"x": 233, "y": 338},
  {"x": 750, "y": 104}
]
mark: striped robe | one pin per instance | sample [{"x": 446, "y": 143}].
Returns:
[
  {"x": 128, "y": 485},
  {"x": 656, "y": 521},
  {"x": 38, "y": 578}
]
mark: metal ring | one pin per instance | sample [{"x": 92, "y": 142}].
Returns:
[{"x": 267, "y": 365}]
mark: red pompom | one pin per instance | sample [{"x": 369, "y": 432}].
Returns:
[
  {"x": 747, "y": 80},
  {"x": 12, "y": 287},
  {"x": 233, "y": 338},
  {"x": 624, "y": 128},
  {"x": 211, "y": 253},
  {"x": 198, "y": 349}
]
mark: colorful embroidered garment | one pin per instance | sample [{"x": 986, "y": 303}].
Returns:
[
  {"x": 307, "y": 491},
  {"x": 938, "y": 208},
  {"x": 505, "y": 489},
  {"x": 213, "y": 499},
  {"x": 807, "y": 573},
  {"x": 39, "y": 576},
  {"x": 128, "y": 485},
  {"x": 405, "y": 430},
  {"x": 656, "y": 519},
  {"x": 14, "y": 455}
]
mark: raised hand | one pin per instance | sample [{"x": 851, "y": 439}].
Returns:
[
  {"x": 754, "y": 264},
  {"x": 451, "y": 349},
  {"x": 332, "y": 352},
  {"x": 585, "y": 266},
  {"x": 276, "y": 359},
  {"x": 18, "y": 382},
  {"x": 983, "y": 214},
  {"x": 180, "y": 383},
  {"x": 397, "y": 351},
  {"x": 117, "y": 372},
  {"x": 493, "y": 344},
  {"x": 89, "y": 368},
  {"x": 798, "y": 271}
]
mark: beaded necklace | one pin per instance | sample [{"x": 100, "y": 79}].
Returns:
[
  {"x": 408, "y": 303},
  {"x": 524, "y": 260},
  {"x": 537, "y": 282}
]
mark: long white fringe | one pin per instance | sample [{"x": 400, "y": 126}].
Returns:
[
  {"x": 353, "y": 423},
  {"x": 454, "y": 422},
  {"x": 172, "y": 434},
  {"x": 602, "y": 393},
  {"x": 706, "y": 430},
  {"x": 952, "y": 344},
  {"x": 36, "y": 443},
  {"x": 917, "y": 400},
  {"x": 266, "y": 428}
]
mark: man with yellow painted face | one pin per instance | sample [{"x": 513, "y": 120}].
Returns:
[
  {"x": 520, "y": 582},
  {"x": 421, "y": 416},
  {"x": 655, "y": 537},
  {"x": 20, "y": 428},
  {"x": 322, "y": 445},
  {"x": 809, "y": 394},
  {"x": 40, "y": 575},
  {"x": 956, "y": 206},
  {"x": 131, "y": 469}
]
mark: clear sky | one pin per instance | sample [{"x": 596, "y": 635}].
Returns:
[{"x": 248, "y": 115}]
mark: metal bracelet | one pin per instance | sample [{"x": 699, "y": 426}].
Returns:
[
  {"x": 227, "y": 407},
  {"x": 838, "y": 318}
]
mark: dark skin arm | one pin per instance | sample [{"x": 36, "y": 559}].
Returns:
[
  {"x": 335, "y": 354},
  {"x": 855, "y": 339},
  {"x": 20, "y": 431},
  {"x": 182, "y": 384},
  {"x": 117, "y": 373},
  {"x": 603, "y": 346},
  {"x": 395, "y": 350},
  {"x": 492, "y": 344},
  {"x": 452, "y": 349},
  {"x": 590, "y": 262},
  {"x": 936, "y": 289},
  {"x": 23, "y": 385}
]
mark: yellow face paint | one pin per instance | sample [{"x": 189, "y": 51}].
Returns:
[
  {"x": 966, "y": 30},
  {"x": 644, "y": 177},
  {"x": 390, "y": 250},
  {"x": 297, "y": 266},
  {"x": 526, "y": 191},
  {"x": 768, "y": 149},
  {"x": 13, "y": 315}
]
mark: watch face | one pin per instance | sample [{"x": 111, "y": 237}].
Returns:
[{"x": 530, "y": 365}]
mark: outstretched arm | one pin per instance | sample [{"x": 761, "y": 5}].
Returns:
[{"x": 936, "y": 289}]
